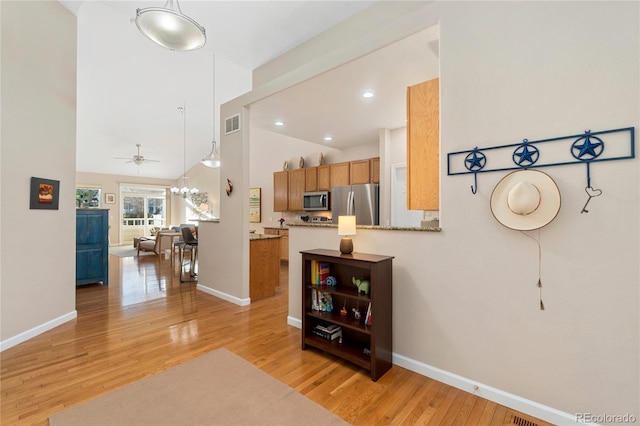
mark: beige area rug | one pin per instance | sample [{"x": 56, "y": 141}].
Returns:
[{"x": 219, "y": 388}]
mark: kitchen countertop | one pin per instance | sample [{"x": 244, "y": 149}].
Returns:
[
  {"x": 262, "y": 237},
  {"x": 276, "y": 227},
  {"x": 377, "y": 227}
]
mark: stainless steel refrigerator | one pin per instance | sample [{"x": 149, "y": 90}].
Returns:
[{"x": 360, "y": 201}]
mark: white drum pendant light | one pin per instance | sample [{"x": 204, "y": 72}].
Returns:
[{"x": 170, "y": 28}]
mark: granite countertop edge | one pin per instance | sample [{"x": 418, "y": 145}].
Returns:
[
  {"x": 376, "y": 227},
  {"x": 263, "y": 236}
]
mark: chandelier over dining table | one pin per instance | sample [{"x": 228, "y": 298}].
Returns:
[{"x": 184, "y": 191}]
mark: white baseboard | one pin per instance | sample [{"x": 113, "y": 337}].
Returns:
[
  {"x": 498, "y": 396},
  {"x": 23, "y": 337},
  {"x": 294, "y": 322},
  {"x": 224, "y": 296},
  {"x": 507, "y": 399}
]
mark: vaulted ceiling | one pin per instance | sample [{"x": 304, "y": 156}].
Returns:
[{"x": 129, "y": 89}]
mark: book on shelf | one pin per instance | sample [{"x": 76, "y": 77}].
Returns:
[
  {"x": 329, "y": 328},
  {"x": 321, "y": 301},
  {"x": 319, "y": 272},
  {"x": 367, "y": 318},
  {"x": 322, "y": 331},
  {"x": 323, "y": 272},
  {"x": 314, "y": 272}
]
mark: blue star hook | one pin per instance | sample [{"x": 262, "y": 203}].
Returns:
[
  {"x": 587, "y": 151},
  {"x": 527, "y": 154},
  {"x": 474, "y": 162}
]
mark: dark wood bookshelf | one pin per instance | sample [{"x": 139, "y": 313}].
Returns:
[{"x": 367, "y": 346}]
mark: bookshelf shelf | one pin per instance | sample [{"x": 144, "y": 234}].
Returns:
[{"x": 368, "y": 346}]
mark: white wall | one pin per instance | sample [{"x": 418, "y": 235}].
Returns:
[
  {"x": 465, "y": 299},
  {"x": 522, "y": 70},
  {"x": 37, "y": 284}
]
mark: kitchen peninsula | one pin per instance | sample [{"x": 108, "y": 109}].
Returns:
[
  {"x": 264, "y": 269},
  {"x": 263, "y": 272}
]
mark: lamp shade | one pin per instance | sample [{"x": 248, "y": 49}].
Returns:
[
  {"x": 170, "y": 28},
  {"x": 346, "y": 225}
]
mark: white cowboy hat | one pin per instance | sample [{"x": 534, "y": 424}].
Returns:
[{"x": 525, "y": 200}]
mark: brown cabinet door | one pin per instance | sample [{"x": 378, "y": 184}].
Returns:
[
  {"x": 324, "y": 178},
  {"x": 280, "y": 191},
  {"x": 296, "y": 189},
  {"x": 339, "y": 174},
  {"x": 311, "y": 183},
  {"x": 375, "y": 170},
  {"x": 359, "y": 171},
  {"x": 423, "y": 146},
  {"x": 264, "y": 268},
  {"x": 284, "y": 245}
]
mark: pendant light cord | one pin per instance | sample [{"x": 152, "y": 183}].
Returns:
[{"x": 214, "y": 103}]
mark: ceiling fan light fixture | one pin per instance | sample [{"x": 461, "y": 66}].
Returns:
[{"x": 170, "y": 28}]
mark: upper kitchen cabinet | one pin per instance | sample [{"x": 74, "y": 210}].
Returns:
[
  {"x": 423, "y": 146},
  {"x": 280, "y": 191},
  {"x": 340, "y": 174},
  {"x": 365, "y": 171},
  {"x": 375, "y": 170},
  {"x": 324, "y": 178},
  {"x": 297, "y": 184},
  {"x": 311, "y": 179}
]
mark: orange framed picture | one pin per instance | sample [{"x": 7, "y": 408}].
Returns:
[{"x": 44, "y": 194}]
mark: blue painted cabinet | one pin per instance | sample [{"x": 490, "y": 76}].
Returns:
[{"x": 92, "y": 246}]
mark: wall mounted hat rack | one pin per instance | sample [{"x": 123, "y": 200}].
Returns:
[{"x": 584, "y": 148}]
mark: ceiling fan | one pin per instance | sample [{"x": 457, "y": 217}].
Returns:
[{"x": 137, "y": 159}]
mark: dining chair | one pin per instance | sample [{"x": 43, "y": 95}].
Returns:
[{"x": 191, "y": 245}]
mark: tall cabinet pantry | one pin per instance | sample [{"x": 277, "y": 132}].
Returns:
[{"x": 92, "y": 246}]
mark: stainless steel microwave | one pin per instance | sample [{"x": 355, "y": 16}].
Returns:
[{"x": 315, "y": 201}]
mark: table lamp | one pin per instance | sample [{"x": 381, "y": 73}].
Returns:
[{"x": 346, "y": 226}]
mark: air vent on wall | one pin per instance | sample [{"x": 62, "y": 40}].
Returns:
[{"x": 232, "y": 124}]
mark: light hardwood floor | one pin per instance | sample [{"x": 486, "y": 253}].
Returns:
[{"x": 146, "y": 321}]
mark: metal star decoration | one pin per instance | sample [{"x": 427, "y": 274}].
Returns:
[
  {"x": 527, "y": 154},
  {"x": 475, "y": 161},
  {"x": 588, "y": 149}
]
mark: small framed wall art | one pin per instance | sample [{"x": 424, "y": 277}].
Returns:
[
  {"x": 109, "y": 198},
  {"x": 254, "y": 205},
  {"x": 45, "y": 194}
]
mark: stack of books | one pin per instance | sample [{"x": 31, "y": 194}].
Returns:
[
  {"x": 329, "y": 331},
  {"x": 319, "y": 272}
]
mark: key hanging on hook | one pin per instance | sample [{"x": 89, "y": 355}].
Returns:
[
  {"x": 587, "y": 148},
  {"x": 591, "y": 192}
]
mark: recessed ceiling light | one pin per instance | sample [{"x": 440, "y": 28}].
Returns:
[
  {"x": 367, "y": 94},
  {"x": 328, "y": 138},
  {"x": 278, "y": 123}
]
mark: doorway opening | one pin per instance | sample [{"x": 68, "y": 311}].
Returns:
[{"x": 143, "y": 208}]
